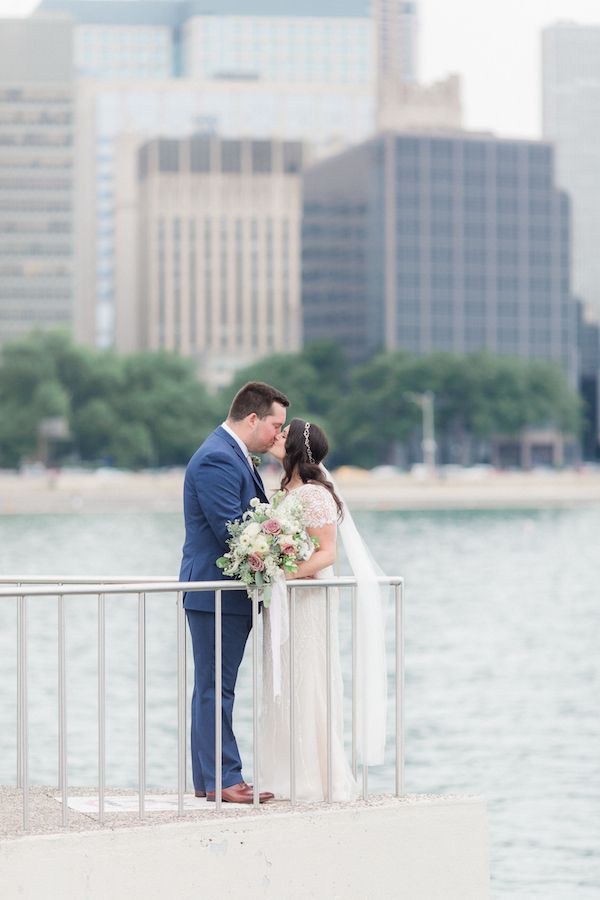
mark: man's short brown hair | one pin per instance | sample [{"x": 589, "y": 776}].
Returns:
[{"x": 255, "y": 397}]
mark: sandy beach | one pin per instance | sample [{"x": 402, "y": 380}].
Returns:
[{"x": 107, "y": 490}]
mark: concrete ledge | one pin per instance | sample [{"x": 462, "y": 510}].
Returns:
[{"x": 418, "y": 849}]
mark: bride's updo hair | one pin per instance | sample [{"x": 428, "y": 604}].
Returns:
[{"x": 305, "y": 447}]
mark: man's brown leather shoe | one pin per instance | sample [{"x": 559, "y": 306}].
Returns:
[
  {"x": 199, "y": 793},
  {"x": 239, "y": 793},
  {"x": 266, "y": 794}
]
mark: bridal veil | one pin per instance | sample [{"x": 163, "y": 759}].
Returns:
[{"x": 371, "y": 681}]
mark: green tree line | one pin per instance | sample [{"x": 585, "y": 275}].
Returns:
[
  {"x": 370, "y": 416},
  {"x": 144, "y": 409},
  {"x": 150, "y": 409}
]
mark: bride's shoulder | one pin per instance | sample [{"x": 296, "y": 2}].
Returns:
[
  {"x": 313, "y": 489},
  {"x": 320, "y": 507}
]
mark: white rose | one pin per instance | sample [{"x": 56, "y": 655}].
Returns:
[
  {"x": 252, "y": 529},
  {"x": 260, "y": 544}
]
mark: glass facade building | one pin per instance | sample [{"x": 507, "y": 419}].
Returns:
[
  {"x": 397, "y": 39},
  {"x": 571, "y": 120},
  {"x": 122, "y": 38},
  {"x": 123, "y": 52},
  {"x": 308, "y": 49},
  {"x": 36, "y": 176},
  {"x": 452, "y": 243},
  {"x": 354, "y": 42},
  {"x": 589, "y": 381},
  {"x": 266, "y": 40}
]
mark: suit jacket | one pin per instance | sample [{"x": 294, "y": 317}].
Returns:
[{"x": 218, "y": 488}]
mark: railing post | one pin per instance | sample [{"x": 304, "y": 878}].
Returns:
[
  {"x": 292, "y": 619},
  {"x": 62, "y": 710},
  {"x": 329, "y": 704},
  {"x": 181, "y": 701},
  {"x": 24, "y": 730},
  {"x": 399, "y": 604},
  {"x": 19, "y": 689},
  {"x": 363, "y": 727},
  {"x": 255, "y": 748},
  {"x": 354, "y": 695},
  {"x": 141, "y": 705},
  {"x": 218, "y": 702},
  {"x": 58, "y": 638},
  {"x": 101, "y": 704}
]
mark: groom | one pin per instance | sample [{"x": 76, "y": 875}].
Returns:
[{"x": 220, "y": 482}]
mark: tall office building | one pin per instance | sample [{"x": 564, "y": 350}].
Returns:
[
  {"x": 571, "y": 117},
  {"x": 333, "y": 115},
  {"x": 266, "y": 69},
  {"x": 456, "y": 243},
  {"x": 397, "y": 36},
  {"x": 589, "y": 380},
  {"x": 403, "y": 103},
  {"x": 571, "y": 120},
  {"x": 122, "y": 38},
  {"x": 36, "y": 175},
  {"x": 326, "y": 43},
  {"x": 320, "y": 41},
  {"x": 168, "y": 68},
  {"x": 215, "y": 226}
]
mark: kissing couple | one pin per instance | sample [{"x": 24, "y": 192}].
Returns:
[{"x": 221, "y": 481}]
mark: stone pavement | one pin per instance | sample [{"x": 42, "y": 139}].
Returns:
[{"x": 45, "y": 810}]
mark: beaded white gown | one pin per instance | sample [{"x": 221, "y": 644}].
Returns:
[{"x": 310, "y": 686}]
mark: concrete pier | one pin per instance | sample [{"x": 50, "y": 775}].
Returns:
[{"x": 420, "y": 847}]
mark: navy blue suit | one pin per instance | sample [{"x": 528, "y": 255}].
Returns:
[{"x": 219, "y": 485}]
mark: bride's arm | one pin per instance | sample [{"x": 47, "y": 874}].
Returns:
[{"x": 323, "y": 556}]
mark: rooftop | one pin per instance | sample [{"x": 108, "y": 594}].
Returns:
[{"x": 175, "y": 12}]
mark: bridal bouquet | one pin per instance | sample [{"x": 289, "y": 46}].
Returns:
[{"x": 267, "y": 543}]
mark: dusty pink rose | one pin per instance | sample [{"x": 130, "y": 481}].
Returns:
[
  {"x": 271, "y": 526},
  {"x": 256, "y": 562},
  {"x": 288, "y": 550}
]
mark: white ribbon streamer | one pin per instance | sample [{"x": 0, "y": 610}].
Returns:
[{"x": 280, "y": 627}]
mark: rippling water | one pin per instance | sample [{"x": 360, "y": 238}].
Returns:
[{"x": 502, "y": 670}]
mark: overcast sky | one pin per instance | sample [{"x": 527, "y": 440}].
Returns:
[{"x": 493, "y": 44}]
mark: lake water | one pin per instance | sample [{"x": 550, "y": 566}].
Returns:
[{"x": 502, "y": 670}]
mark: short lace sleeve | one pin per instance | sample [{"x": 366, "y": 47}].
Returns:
[{"x": 319, "y": 506}]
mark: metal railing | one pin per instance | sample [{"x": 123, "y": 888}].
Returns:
[{"x": 22, "y": 589}]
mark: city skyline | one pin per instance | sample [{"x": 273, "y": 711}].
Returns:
[
  {"x": 441, "y": 243},
  {"x": 144, "y": 70},
  {"x": 497, "y": 97}
]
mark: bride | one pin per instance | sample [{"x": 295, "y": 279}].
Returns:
[{"x": 301, "y": 447}]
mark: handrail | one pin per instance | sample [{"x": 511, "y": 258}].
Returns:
[
  {"x": 23, "y": 589},
  {"x": 76, "y": 579},
  {"x": 156, "y": 586}
]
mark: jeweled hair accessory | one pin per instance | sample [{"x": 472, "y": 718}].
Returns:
[{"x": 307, "y": 442}]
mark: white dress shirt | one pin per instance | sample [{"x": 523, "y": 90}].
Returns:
[{"x": 240, "y": 444}]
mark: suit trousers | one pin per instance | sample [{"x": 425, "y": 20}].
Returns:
[{"x": 234, "y": 635}]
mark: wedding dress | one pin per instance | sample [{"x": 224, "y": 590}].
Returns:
[{"x": 310, "y": 685}]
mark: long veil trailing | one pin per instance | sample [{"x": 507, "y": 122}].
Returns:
[{"x": 371, "y": 681}]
